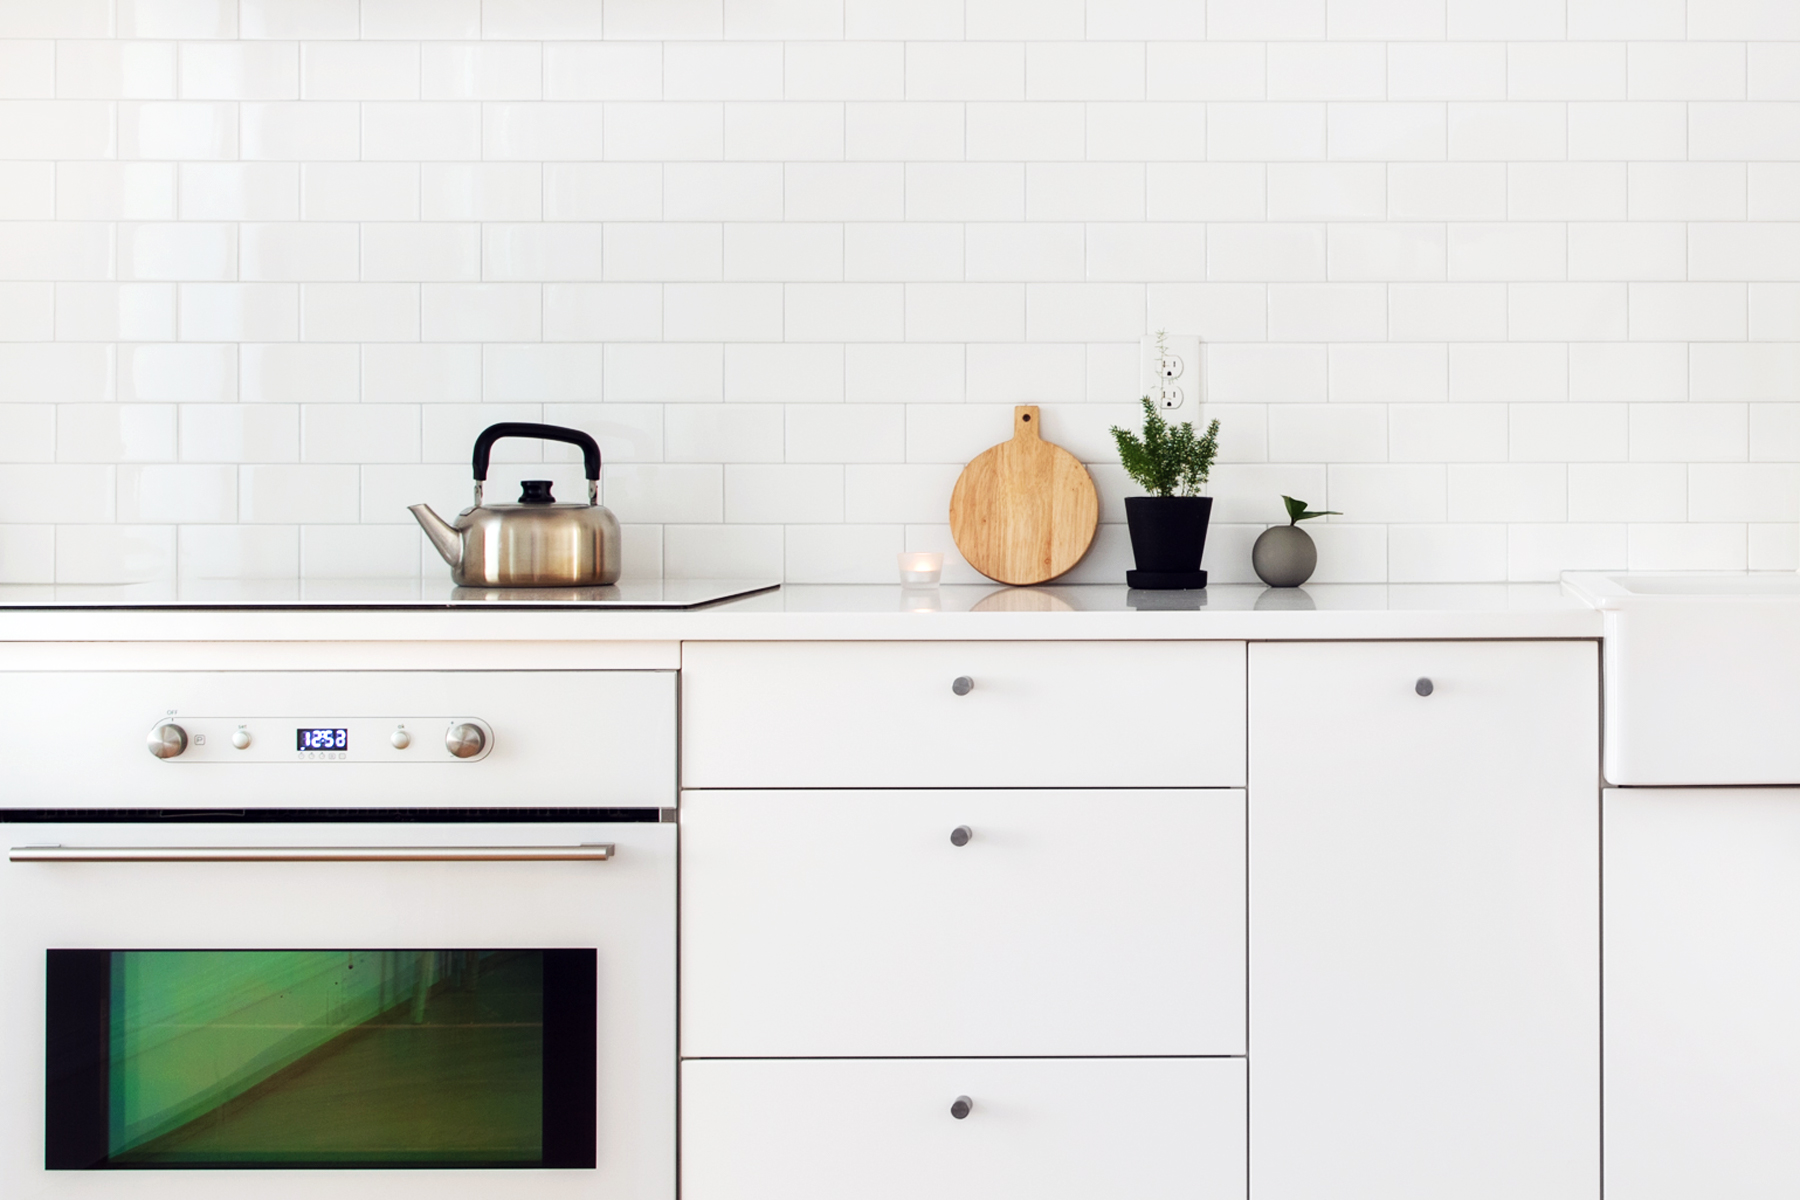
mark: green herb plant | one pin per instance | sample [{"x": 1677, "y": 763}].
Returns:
[
  {"x": 1298, "y": 512},
  {"x": 1169, "y": 460}
]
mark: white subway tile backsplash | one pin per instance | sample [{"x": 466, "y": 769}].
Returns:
[
  {"x": 965, "y": 71},
  {"x": 723, "y": 433},
  {"x": 1446, "y": 71},
  {"x": 1550, "y": 70},
  {"x": 359, "y": 312},
  {"x": 414, "y": 132},
  {"x": 779, "y": 372},
  {"x": 844, "y": 312},
  {"x": 1680, "y": 433},
  {"x": 1516, "y": 250},
  {"x": 1019, "y": 131},
  {"x": 1003, "y": 373},
  {"x": 1566, "y": 191},
  {"x": 239, "y": 191},
  {"x": 1265, "y": 132},
  {"x": 792, "y": 132},
  {"x": 551, "y": 251},
  {"x": 240, "y": 71},
  {"x": 359, "y": 70},
  {"x": 1205, "y": 70},
  {"x": 844, "y": 71},
  {"x": 481, "y": 71},
  {"x": 1758, "y": 371},
  {"x": 1770, "y": 20},
  {"x": 1447, "y": 192},
  {"x": 1567, "y": 433},
  {"x": 1695, "y": 312},
  {"x": 287, "y": 131},
  {"x": 602, "y": 71},
  {"x": 569, "y": 191},
  {"x": 916, "y": 374},
  {"x": 1638, "y": 130},
  {"x": 1642, "y": 250},
  {"x": 1265, "y": 20},
  {"x": 965, "y": 192},
  {"x": 1387, "y": 132},
  {"x": 845, "y": 192},
  {"x": 1481, "y": 275},
  {"x": 1628, "y": 371}
]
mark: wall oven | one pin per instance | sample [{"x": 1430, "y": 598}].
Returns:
[{"x": 388, "y": 933}]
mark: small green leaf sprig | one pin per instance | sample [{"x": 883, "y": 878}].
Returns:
[
  {"x": 1169, "y": 460},
  {"x": 1298, "y": 512}
]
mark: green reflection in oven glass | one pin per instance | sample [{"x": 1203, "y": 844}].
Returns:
[{"x": 222, "y": 1057}]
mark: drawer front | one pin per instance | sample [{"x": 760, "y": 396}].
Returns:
[
  {"x": 851, "y": 923},
  {"x": 1039, "y": 714},
  {"x": 1069, "y": 1129}
]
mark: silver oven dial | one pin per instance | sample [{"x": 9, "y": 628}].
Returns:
[
  {"x": 167, "y": 740},
  {"x": 465, "y": 740}
]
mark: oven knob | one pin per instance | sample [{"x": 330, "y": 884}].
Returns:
[
  {"x": 167, "y": 740},
  {"x": 241, "y": 739},
  {"x": 465, "y": 740},
  {"x": 401, "y": 739}
]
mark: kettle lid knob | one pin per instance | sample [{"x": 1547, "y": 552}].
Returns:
[{"x": 536, "y": 491}]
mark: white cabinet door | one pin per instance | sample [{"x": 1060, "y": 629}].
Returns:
[
  {"x": 1068, "y": 922},
  {"x": 1702, "y": 994},
  {"x": 1033, "y": 714},
  {"x": 1424, "y": 921},
  {"x": 1067, "y": 1129}
]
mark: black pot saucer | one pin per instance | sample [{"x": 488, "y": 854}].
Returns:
[{"x": 1165, "y": 581}]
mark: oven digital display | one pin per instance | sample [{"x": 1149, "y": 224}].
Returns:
[{"x": 321, "y": 739}]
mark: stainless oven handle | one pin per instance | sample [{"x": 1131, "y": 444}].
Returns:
[{"x": 274, "y": 854}]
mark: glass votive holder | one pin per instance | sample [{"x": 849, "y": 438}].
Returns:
[{"x": 921, "y": 567}]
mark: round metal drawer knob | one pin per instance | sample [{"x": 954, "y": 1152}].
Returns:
[
  {"x": 1423, "y": 687},
  {"x": 465, "y": 740},
  {"x": 167, "y": 741},
  {"x": 961, "y": 1107},
  {"x": 962, "y": 685},
  {"x": 960, "y": 835}
]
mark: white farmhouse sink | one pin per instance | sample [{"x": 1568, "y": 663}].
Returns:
[{"x": 1702, "y": 676}]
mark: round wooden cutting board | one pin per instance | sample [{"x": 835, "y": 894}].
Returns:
[{"x": 1024, "y": 511}]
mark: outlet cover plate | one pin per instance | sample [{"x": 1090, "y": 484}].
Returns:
[{"x": 1173, "y": 382}]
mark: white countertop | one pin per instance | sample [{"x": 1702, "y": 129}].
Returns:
[{"x": 406, "y": 611}]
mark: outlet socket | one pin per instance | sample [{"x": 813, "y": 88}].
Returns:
[{"x": 1171, "y": 378}]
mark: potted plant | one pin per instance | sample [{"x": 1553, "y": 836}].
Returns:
[
  {"x": 1284, "y": 556},
  {"x": 1168, "y": 527}
]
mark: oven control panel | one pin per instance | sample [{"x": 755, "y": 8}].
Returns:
[{"x": 180, "y": 738}]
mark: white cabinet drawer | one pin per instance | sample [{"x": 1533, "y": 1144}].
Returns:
[
  {"x": 1069, "y": 1129},
  {"x": 1039, "y": 714},
  {"x": 1071, "y": 922}
]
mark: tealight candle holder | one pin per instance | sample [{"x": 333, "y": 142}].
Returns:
[{"x": 919, "y": 568}]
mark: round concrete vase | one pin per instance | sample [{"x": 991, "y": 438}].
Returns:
[
  {"x": 1168, "y": 537},
  {"x": 1284, "y": 556}
]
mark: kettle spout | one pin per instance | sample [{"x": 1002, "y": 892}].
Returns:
[{"x": 443, "y": 535}]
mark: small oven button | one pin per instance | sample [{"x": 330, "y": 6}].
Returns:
[
  {"x": 167, "y": 740},
  {"x": 401, "y": 739},
  {"x": 465, "y": 740},
  {"x": 240, "y": 738}
]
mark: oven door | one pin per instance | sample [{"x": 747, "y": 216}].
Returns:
[{"x": 424, "y": 1010}]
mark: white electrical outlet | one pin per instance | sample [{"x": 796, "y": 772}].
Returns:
[{"x": 1171, "y": 373}]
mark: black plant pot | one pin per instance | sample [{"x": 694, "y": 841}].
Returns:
[{"x": 1168, "y": 536}]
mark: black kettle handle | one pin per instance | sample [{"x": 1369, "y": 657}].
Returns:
[{"x": 484, "y": 445}]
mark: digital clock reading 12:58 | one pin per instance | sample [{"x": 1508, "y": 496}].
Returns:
[{"x": 321, "y": 739}]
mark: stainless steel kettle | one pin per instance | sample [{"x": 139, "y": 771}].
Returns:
[{"x": 536, "y": 542}]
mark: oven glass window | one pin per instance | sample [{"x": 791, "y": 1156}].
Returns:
[{"x": 320, "y": 1058}]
